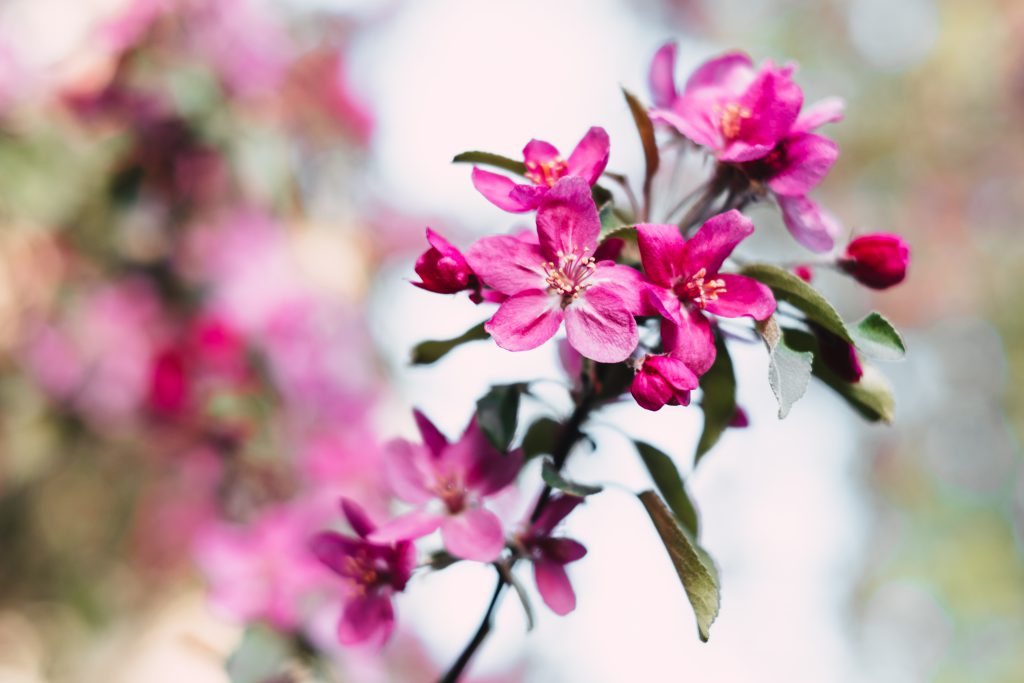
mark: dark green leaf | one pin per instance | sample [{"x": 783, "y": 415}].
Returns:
[
  {"x": 602, "y": 196},
  {"x": 553, "y": 478},
  {"x": 695, "y": 569},
  {"x": 263, "y": 655},
  {"x": 432, "y": 351},
  {"x": 540, "y": 437},
  {"x": 441, "y": 559},
  {"x": 488, "y": 159},
  {"x": 497, "y": 412},
  {"x": 876, "y": 337},
  {"x": 666, "y": 477},
  {"x": 789, "y": 371},
  {"x": 646, "y": 130},
  {"x": 719, "y": 400},
  {"x": 789, "y": 287}
]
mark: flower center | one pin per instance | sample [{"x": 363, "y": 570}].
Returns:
[
  {"x": 546, "y": 172},
  {"x": 451, "y": 492},
  {"x": 568, "y": 277},
  {"x": 700, "y": 290},
  {"x": 732, "y": 116},
  {"x": 362, "y": 571}
]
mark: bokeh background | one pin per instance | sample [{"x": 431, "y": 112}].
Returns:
[{"x": 209, "y": 212}]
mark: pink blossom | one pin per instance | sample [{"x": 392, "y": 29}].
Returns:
[
  {"x": 443, "y": 269},
  {"x": 549, "y": 554},
  {"x": 663, "y": 380},
  {"x": 728, "y": 106},
  {"x": 372, "y": 572},
  {"x": 458, "y": 476},
  {"x": 878, "y": 261},
  {"x": 544, "y": 168},
  {"x": 686, "y": 283},
  {"x": 556, "y": 278}
]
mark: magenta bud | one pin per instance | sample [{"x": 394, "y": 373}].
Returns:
[
  {"x": 443, "y": 268},
  {"x": 877, "y": 261},
  {"x": 663, "y": 380}
]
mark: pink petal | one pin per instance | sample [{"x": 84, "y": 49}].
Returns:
[
  {"x": 484, "y": 468},
  {"x": 567, "y": 220},
  {"x": 357, "y": 518},
  {"x": 693, "y": 117},
  {"x": 675, "y": 372},
  {"x": 665, "y": 303},
  {"x": 408, "y": 471},
  {"x": 661, "y": 252},
  {"x": 662, "y": 77},
  {"x": 599, "y": 326},
  {"x": 540, "y": 151},
  {"x": 529, "y": 196},
  {"x": 742, "y": 296},
  {"x": 731, "y": 71},
  {"x": 692, "y": 342},
  {"x": 433, "y": 439},
  {"x": 558, "y": 508},
  {"x": 554, "y": 586},
  {"x": 650, "y": 390},
  {"x": 590, "y": 157},
  {"x": 809, "y": 225},
  {"x": 444, "y": 246},
  {"x": 625, "y": 283},
  {"x": 715, "y": 241},
  {"x": 808, "y": 158},
  {"x": 407, "y": 527},
  {"x": 474, "y": 534},
  {"x": 332, "y": 549},
  {"x": 497, "y": 190},
  {"x": 774, "y": 100},
  {"x": 526, "y": 320},
  {"x": 828, "y": 110},
  {"x": 508, "y": 264},
  {"x": 562, "y": 550},
  {"x": 367, "y": 618}
]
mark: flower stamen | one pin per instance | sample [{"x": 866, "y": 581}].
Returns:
[
  {"x": 568, "y": 277},
  {"x": 701, "y": 291},
  {"x": 546, "y": 172},
  {"x": 732, "y": 117}
]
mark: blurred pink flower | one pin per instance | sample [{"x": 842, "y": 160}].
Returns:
[{"x": 549, "y": 554}]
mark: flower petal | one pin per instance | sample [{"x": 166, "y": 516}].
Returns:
[
  {"x": 731, "y": 72},
  {"x": 407, "y": 527},
  {"x": 528, "y": 196},
  {"x": 692, "y": 116},
  {"x": 808, "y": 159},
  {"x": 558, "y": 508},
  {"x": 650, "y": 390},
  {"x": 692, "y": 342},
  {"x": 828, "y": 110},
  {"x": 483, "y": 468},
  {"x": 589, "y": 158},
  {"x": 599, "y": 326},
  {"x": 742, "y": 296},
  {"x": 661, "y": 252},
  {"x": 526, "y": 320},
  {"x": 567, "y": 220},
  {"x": 715, "y": 240},
  {"x": 662, "y": 76},
  {"x": 562, "y": 550},
  {"x": 624, "y": 282},
  {"x": 774, "y": 101},
  {"x": 554, "y": 586},
  {"x": 408, "y": 471},
  {"x": 508, "y": 264},
  {"x": 809, "y": 225},
  {"x": 677, "y": 375},
  {"x": 474, "y": 534},
  {"x": 369, "y": 618},
  {"x": 540, "y": 151},
  {"x": 433, "y": 439},
  {"x": 497, "y": 189},
  {"x": 357, "y": 518},
  {"x": 332, "y": 548}
]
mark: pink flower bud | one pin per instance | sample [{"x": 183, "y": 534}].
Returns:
[
  {"x": 877, "y": 261},
  {"x": 443, "y": 268},
  {"x": 804, "y": 273},
  {"x": 663, "y": 380}
]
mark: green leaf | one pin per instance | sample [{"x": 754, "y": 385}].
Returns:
[
  {"x": 553, "y": 478},
  {"x": 488, "y": 159},
  {"x": 441, "y": 559},
  {"x": 789, "y": 287},
  {"x": 432, "y": 351},
  {"x": 610, "y": 222},
  {"x": 876, "y": 337},
  {"x": 646, "y": 130},
  {"x": 789, "y": 370},
  {"x": 695, "y": 569},
  {"x": 719, "y": 400},
  {"x": 263, "y": 655},
  {"x": 540, "y": 437},
  {"x": 497, "y": 412},
  {"x": 670, "y": 485},
  {"x": 602, "y": 196}
]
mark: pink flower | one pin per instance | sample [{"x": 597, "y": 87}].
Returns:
[
  {"x": 726, "y": 105},
  {"x": 456, "y": 475},
  {"x": 372, "y": 573},
  {"x": 557, "y": 278},
  {"x": 663, "y": 380},
  {"x": 686, "y": 283},
  {"x": 878, "y": 261},
  {"x": 443, "y": 269},
  {"x": 550, "y": 554},
  {"x": 544, "y": 168}
]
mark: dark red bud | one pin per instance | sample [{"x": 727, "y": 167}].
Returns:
[{"x": 877, "y": 261}]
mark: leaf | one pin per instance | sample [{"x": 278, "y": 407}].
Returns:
[
  {"x": 876, "y": 337},
  {"x": 719, "y": 400},
  {"x": 789, "y": 287},
  {"x": 789, "y": 371},
  {"x": 263, "y": 655},
  {"x": 488, "y": 159},
  {"x": 871, "y": 396},
  {"x": 441, "y": 559},
  {"x": 646, "y": 130},
  {"x": 540, "y": 437},
  {"x": 432, "y": 351},
  {"x": 695, "y": 569},
  {"x": 553, "y": 478},
  {"x": 497, "y": 412},
  {"x": 610, "y": 222},
  {"x": 670, "y": 485},
  {"x": 602, "y": 196}
]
